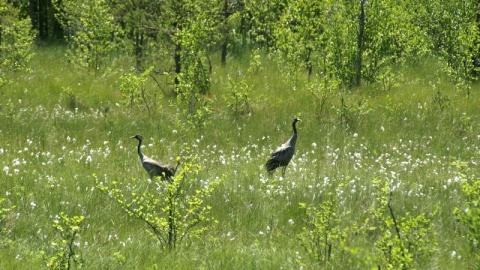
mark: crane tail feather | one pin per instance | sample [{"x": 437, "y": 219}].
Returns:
[{"x": 271, "y": 165}]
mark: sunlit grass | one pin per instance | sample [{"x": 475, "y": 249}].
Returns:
[{"x": 51, "y": 152}]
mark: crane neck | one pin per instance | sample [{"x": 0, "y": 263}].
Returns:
[
  {"x": 139, "y": 149},
  {"x": 293, "y": 139},
  {"x": 294, "y": 127}
]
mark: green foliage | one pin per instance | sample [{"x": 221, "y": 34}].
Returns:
[
  {"x": 195, "y": 108},
  {"x": 238, "y": 89},
  {"x": 322, "y": 90},
  {"x": 350, "y": 114},
  {"x": 325, "y": 36},
  {"x": 177, "y": 212},
  {"x": 469, "y": 214},
  {"x": 192, "y": 100},
  {"x": 323, "y": 232},
  {"x": 455, "y": 34},
  {"x": 238, "y": 101},
  {"x": 8, "y": 110},
  {"x": 259, "y": 17},
  {"x": 308, "y": 36},
  {"x": 91, "y": 32},
  {"x": 134, "y": 89},
  {"x": 465, "y": 125},
  {"x": 392, "y": 36},
  {"x": 72, "y": 101},
  {"x": 65, "y": 248},
  {"x": 402, "y": 241},
  {"x": 440, "y": 100},
  {"x": 192, "y": 42},
  {"x": 48, "y": 149},
  {"x": 5, "y": 211},
  {"x": 16, "y": 40},
  {"x": 144, "y": 22}
]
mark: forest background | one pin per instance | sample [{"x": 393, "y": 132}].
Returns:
[{"x": 385, "y": 171}]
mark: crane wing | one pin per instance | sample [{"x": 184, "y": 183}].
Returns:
[
  {"x": 283, "y": 154},
  {"x": 281, "y": 150},
  {"x": 151, "y": 161}
]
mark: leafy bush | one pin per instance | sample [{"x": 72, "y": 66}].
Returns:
[
  {"x": 192, "y": 91},
  {"x": 64, "y": 248},
  {"x": 400, "y": 241},
  {"x": 72, "y": 101},
  {"x": 134, "y": 89},
  {"x": 4, "y": 212},
  {"x": 238, "y": 101},
  {"x": 177, "y": 212},
  {"x": 469, "y": 216},
  {"x": 349, "y": 115},
  {"x": 16, "y": 40},
  {"x": 90, "y": 31},
  {"x": 322, "y": 232}
]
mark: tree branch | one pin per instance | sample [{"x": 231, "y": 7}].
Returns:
[{"x": 397, "y": 228}]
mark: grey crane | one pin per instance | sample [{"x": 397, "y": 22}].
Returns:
[
  {"x": 282, "y": 156},
  {"x": 153, "y": 167}
]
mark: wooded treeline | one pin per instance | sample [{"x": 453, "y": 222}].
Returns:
[{"x": 344, "y": 43}]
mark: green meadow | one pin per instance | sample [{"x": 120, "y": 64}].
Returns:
[{"x": 375, "y": 182}]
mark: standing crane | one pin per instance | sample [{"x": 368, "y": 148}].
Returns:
[
  {"x": 282, "y": 156},
  {"x": 153, "y": 167}
]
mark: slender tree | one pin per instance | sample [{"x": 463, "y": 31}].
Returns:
[
  {"x": 226, "y": 12},
  {"x": 16, "y": 40},
  {"x": 454, "y": 33},
  {"x": 92, "y": 33},
  {"x": 361, "y": 30}
]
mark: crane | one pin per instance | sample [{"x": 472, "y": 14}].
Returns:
[
  {"x": 284, "y": 153},
  {"x": 153, "y": 167}
]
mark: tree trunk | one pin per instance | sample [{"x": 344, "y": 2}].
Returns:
[
  {"x": 178, "y": 65},
  {"x": 476, "y": 55},
  {"x": 478, "y": 15},
  {"x": 361, "y": 28},
  {"x": 57, "y": 30},
  {"x": 43, "y": 6},
  {"x": 171, "y": 227},
  {"x": 226, "y": 14},
  {"x": 224, "y": 52},
  {"x": 308, "y": 63},
  {"x": 43, "y": 20},
  {"x": 139, "y": 42},
  {"x": 33, "y": 10}
]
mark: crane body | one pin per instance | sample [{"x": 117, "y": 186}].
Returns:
[
  {"x": 153, "y": 167},
  {"x": 283, "y": 154}
]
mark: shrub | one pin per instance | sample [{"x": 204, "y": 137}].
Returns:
[
  {"x": 469, "y": 215},
  {"x": 178, "y": 212},
  {"x": 322, "y": 231},
  {"x": 65, "y": 248},
  {"x": 4, "y": 226},
  {"x": 400, "y": 241}
]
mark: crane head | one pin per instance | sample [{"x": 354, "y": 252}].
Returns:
[{"x": 138, "y": 137}]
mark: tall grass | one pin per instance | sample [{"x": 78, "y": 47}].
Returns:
[{"x": 56, "y": 135}]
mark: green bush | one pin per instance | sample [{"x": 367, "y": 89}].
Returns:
[
  {"x": 64, "y": 248},
  {"x": 177, "y": 211},
  {"x": 469, "y": 215}
]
